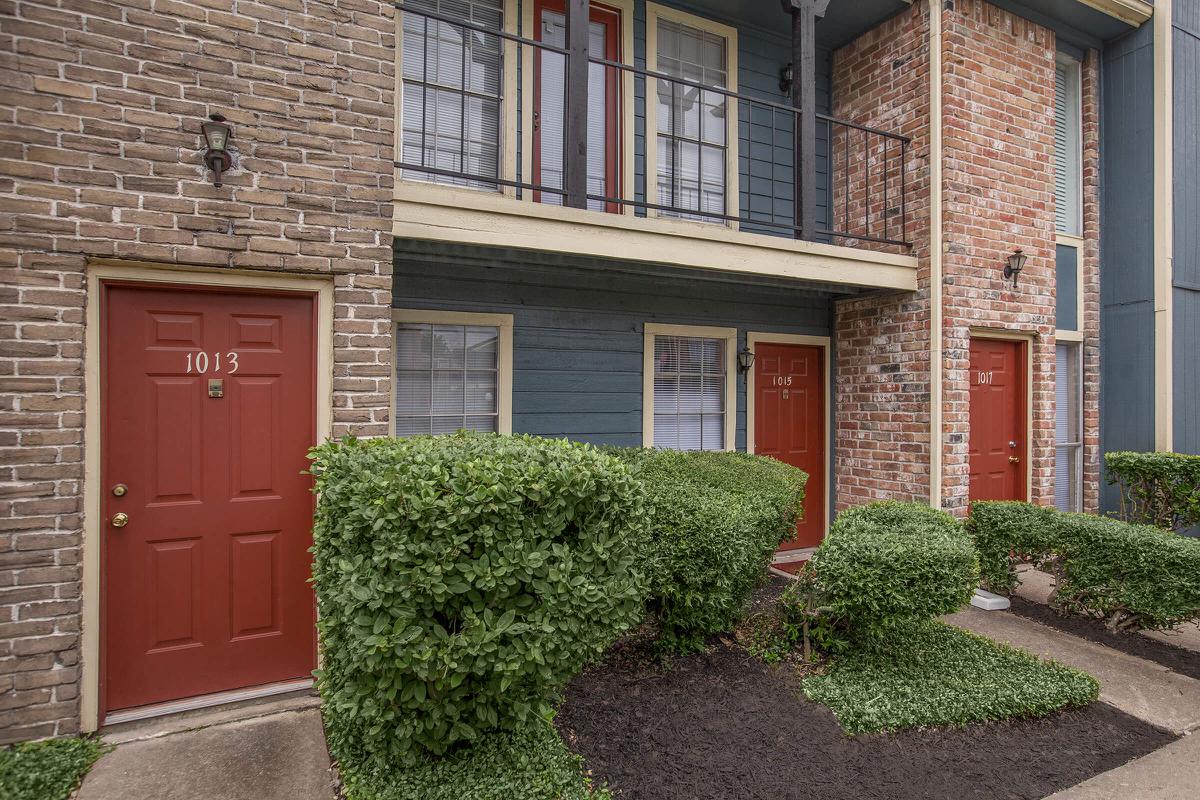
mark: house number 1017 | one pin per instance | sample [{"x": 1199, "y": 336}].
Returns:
[{"x": 200, "y": 362}]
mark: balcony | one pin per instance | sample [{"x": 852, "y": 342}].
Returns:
[{"x": 673, "y": 137}]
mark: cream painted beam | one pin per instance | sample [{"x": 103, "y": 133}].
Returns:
[
  {"x": 1164, "y": 214},
  {"x": 439, "y": 213},
  {"x": 1133, "y": 12}
]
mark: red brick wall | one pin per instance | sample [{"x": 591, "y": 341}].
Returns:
[
  {"x": 998, "y": 195},
  {"x": 100, "y": 111},
  {"x": 882, "y": 343},
  {"x": 1091, "y": 281}
]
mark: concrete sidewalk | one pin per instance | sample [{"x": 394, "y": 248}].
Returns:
[
  {"x": 279, "y": 756},
  {"x": 1138, "y": 687},
  {"x": 1169, "y": 773}
]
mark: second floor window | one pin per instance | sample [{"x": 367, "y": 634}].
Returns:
[
  {"x": 452, "y": 79},
  {"x": 692, "y": 124}
]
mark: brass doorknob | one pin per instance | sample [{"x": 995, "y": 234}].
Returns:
[
  {"x": 1014, "y": 460},
  {"x": 120, "y": 519}
]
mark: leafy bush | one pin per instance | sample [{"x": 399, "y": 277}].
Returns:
[
  {"x": 716, "y": 520},
  {"x": 1161, "y": 489},
  {"x": 1134, "y": 576},
  {"x": 529, "y": 763},
  {"x": 462, "y": 580},
  {"x": 1007, "y": 532},
  {"x": 891, "y": 562},
  {"x": 925, "y": 672},
  {"x": 47, "y": 770}
]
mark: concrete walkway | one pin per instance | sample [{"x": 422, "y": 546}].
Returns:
[
  {"x": 1169, "y": 773},
  {"x": 1138, "y": 687},
  {"x": 280, "y": 756}
]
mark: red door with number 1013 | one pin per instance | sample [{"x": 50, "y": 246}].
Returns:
[
  {"x": 208, "y": 402},
  {"x": 790, "y": 425}
]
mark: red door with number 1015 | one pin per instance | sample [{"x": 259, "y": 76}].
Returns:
[
  {"x": 789, "y": 424},
  {"x": 208, "y": 402}
]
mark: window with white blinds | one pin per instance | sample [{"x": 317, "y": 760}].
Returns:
[
  {"x": 689, "y": 393},
  {"x": 692, "y": 146},
  {"x": 447, "y": 377},
  {"x": 1068, "y": 428},
  {"x": 1067, "y": 147},
  {"x": 452, "y": 80}
]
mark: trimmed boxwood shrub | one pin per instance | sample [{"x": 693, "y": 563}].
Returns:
[
  {"x": 716, "y": 520},
  {"x": 1161, "y": 489},
  {"x": 887, "y": 563},
  {"x": 1133, "y": 576},
  {"x": 1006, "y": 532},
  {"x": 462, "y": 580}
]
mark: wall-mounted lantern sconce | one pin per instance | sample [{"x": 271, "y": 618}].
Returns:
[
  {"x": 786, "y": 76},
  {"x": 1013, "y": 266},
  {"x": 217, "y": 134},
  {"x": 745, "y": 360}
]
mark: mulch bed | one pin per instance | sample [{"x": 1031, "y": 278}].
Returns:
[
  {"x": 1176, "y": 659},
  {"x": 723, "y": 725}
]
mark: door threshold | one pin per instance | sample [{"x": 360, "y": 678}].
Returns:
[{"x": 231, "y": 697}]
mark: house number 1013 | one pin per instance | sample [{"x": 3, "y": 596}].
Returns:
[{"x": 200, "y": 362}]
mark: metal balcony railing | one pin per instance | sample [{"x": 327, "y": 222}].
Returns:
[{"x": 486, "y": 108}]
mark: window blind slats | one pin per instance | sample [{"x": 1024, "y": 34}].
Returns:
[
  {"x": 447, "y": 378},
  {"x": 1067, "y": 145},
  {"x": 1068, "y": 432},
  {"x": 689, "y": 393}
]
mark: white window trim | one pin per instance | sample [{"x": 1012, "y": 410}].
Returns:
[
  {"x": 1077, "y": 243},
  {"x": 1074, "y": 70},
  {"x": 729, "y": 335},
  {"x": 655, "y": 12},
  {"x": 504, "y": 375}
]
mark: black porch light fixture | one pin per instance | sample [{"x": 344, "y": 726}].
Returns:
[
  {"x": 745, "y": 360},
  {"x": 1013, "y": 266},
  {"x": 217, "y": 134}
]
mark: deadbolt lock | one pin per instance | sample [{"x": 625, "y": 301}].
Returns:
[
  {"x": 120, "y": 519},
  {"x": 120, "y": 490},
  {"x": 1014, "y": 460}
]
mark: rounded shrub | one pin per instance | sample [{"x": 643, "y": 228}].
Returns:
[
  {"x": 716, "y": 519},
  {"x": 891, "y": 562},
  {"x": 462, "y": 580}
]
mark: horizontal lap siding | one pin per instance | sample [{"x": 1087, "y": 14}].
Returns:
[
  {"x": 1186, "y": 308},
  {"x": 578, "y": 326}
]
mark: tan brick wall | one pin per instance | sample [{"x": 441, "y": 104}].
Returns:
[
  {"x": 100, "y": 156},
  {"x": 882, "y": 359},
  {"x": 1091, "y": 281}
]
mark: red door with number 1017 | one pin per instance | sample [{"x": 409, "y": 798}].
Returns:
[
  {"x": 789, "y": 424},
  {"x": 208, "y": 402},
  {"x": 997, "y": 450}
]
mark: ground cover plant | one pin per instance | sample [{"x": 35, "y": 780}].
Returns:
[
  {"x": 47, "y": 770},
  {"x": 925, "y": 673},
  {"x": 1131, "y": 576},
  {"x": 715, "y": 521},
  {"x": 1160, "y": 489},
  {"x": 529, "y": 763},
  {"x": 461, "y": 581}
]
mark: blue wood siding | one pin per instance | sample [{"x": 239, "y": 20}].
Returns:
[
  {"x": 578, "y": 326},
  {"x": 1127, "y": 248},
  {"x": 1186, "y": 44},
  {"x": 765, "y": 163}
]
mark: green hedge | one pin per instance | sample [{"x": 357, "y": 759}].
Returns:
[
  {"x": 1133, "y": 576},
  {"x": 462, "y": 580},
  {"x": 716, "y": 520},
  {"x": 1161, "y": 489},
  {"x": 887, "y": 563}
]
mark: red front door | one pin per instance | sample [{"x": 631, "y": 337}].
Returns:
[
  {"x": 208, "y": 405},
  {"x": 997, "y": 420},
  {"x": 789, "y": 424}
]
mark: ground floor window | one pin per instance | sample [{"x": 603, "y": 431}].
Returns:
[
  {"x": 451, "y": 371},
  {"x": 689, "y": 379},
  {"x": 1068, "y": 428}
]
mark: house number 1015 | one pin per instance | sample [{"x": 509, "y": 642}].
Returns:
[
  {"x": 782, "y": 380},
  {"x": 200, "y": 362}
]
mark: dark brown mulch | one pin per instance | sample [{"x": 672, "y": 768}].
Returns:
[
  {"x": 723, "y": 725},
  {"x": 1177, "y": 659}
]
